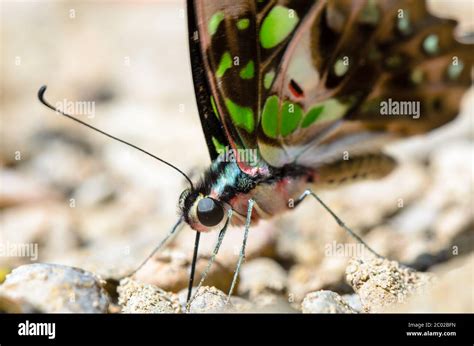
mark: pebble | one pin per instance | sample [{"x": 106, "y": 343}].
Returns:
[
  {"x": 18, "y": 188},
  {"x": 262, "y": 275},
  {"x": 328, "y": 275},
  {"x": 399, "y": 246},
  {"x": 170, "y": 271},
  {"x": 381, "y": 283},
  {"x": 353, "y": 300},
  {"x": 453, "y": 221},
  {"x": 136, "y": 297},
  {"x": 242, "y": 305},
  {"x": 61, "y": 164},
  {"x": 415, "y": 218},
  {"x": 94, "y": 190},
  {"x": 56, "y": 288},
  {"x": 210, "y": 300},
  {"x": 237, "y": 304},
  {"x": 326, "y": 302},
  {"x": 450, "y": 293},
  {"x": 270, "y": 302},
  {"x": 265, "y": 301},
  {"x": 451, "y": 170},
  {"x": 15, "y": 306},
  {"x": 46, "y": 229}
]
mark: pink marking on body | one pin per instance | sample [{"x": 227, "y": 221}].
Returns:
[
  {"x": 214, "y": 194},
  {"x": 240, "y": 205},
  {"x": 282, "y": 187},
  {"x": 200, "y": 228},
  {"x": 253, "y": 171}
]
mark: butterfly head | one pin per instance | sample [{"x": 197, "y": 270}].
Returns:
[{"x": 203, "y": 213}]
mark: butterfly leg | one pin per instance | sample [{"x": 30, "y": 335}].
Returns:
[
  {"x": 212, "y": 259},
  {"x": 242, "y": 249},
  {"x": 338, "y": 220}
]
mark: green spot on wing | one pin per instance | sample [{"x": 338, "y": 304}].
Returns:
[
  {"x": 454, "y": 71},
  {"x": 370, "y": 13},
  {"x": 290, "y": 118},
  {"x": 283, "y": 121},
  {"x": 340, "y": 67},
  {"x": 268, "y": 79},
  {"x": 243, "y": 24},
  {"x": 334, "y": 109},
  {"x": 248, "y": 71},
  {"x": 214, "y": 108},
  {"x": 417, "y": 76},
  {"x": 277, "y": 25},
  {"x": 241, "y": 116},
  {"x": 214, "y": 22},
  {"x": 430, "y": 44},
  {"x": 403, "y": 23},
  {"x": 270, "y": 117},
  {"x": 311, "y": 116},
  {"x": 331, "y": 109},
  {"x": 218, "y": 145},
  {"x": 224, "y": 64}
]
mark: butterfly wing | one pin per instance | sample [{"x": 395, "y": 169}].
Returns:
[
  {"x": 212, "y": 127},
  {"x": 375, "y": 58},
  {"x": 303, "y": 80},
  {"x": 232, "y": 36}
]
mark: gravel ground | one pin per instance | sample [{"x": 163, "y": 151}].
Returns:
[{"x": 71, "y": 198}]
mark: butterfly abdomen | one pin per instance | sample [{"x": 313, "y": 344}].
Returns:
[{"x": 357, "y": 168}]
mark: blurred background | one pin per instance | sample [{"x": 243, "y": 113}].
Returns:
[{"x": 93, "y": 203}]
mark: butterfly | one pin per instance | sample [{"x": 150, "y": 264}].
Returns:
[{"x": 295, "y": 96}]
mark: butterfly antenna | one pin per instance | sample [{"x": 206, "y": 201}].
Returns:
[
  {"x": 193, "y": 265},
  {"x": 41, "y": 93}
]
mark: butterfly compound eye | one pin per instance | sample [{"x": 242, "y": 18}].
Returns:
[{"x": 209, "y": 212}]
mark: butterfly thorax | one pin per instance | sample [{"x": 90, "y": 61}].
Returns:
[{"x": 272, "y": 190}]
